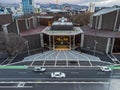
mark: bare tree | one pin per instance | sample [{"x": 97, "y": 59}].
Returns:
[
  {"x": 11, "y": 43},
  {"x": 81, "y": 19}
]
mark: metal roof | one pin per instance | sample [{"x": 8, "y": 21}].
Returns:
[
  {"x": 75, "y": 31},
  {"x": 105, "y": 11},
  {"x": 62, "y": 23}
]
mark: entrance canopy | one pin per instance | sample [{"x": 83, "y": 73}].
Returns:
[{"x": 75, "y": 31}]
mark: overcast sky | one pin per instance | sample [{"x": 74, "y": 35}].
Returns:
[{"x": 80, "y": 2}]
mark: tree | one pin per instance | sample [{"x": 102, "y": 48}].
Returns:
[
  {"x": 11, "y": 43},
  {"x": 81, "y": 19}
]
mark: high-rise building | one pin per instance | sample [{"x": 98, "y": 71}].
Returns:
[
  {"x": 91, "y": 7},
  {"x": 28, "y": 6}
]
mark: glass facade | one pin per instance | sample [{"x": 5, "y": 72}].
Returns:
[{"x": 28, "y": 6}]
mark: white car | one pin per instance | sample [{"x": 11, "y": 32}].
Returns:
[
  {"x": 39, "y": 69},
  {"x": 58, "y": 75},
  {"x": 106, "y": 69}
]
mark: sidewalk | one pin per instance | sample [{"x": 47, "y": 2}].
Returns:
[{"x": 115, "y": 84}]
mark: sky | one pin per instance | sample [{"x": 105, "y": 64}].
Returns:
[{"x": 79, "y": 2}]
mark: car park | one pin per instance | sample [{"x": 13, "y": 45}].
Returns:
[
  {"x": 39, "y": 69},
  {"x": 106, "y": 69},
  {"x": 58, "y": 75}
]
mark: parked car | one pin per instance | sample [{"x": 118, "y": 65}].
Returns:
[
  {"x": 58, "y": 75},
  {"x": 106, "y": 69},
  {"x": 39, "y": 69}
]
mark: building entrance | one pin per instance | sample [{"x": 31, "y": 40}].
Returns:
[{"x": 62, "y": 43}]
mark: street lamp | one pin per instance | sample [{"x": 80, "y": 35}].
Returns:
[
  {"x": 28, "y": 51},
  {"x": 95, "y": 44}
]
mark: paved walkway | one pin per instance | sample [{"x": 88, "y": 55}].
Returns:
[
  {"x": 59, "y": 55},
  {"x": 63, "y": 58}
]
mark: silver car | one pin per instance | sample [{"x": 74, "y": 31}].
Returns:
[
  {"x": 106, "y": 69},
  {"x": 39, "y": 69},
  {"x": 58, "y": 75}
]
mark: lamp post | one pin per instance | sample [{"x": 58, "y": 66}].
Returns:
[
  {"x": 28, "y": 51},
  {"x": 95, "y": 44}
]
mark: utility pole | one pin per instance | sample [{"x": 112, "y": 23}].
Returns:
[{"x": 95, "y": 44}]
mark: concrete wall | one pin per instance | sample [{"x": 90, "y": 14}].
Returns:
[
  {"x": 118, "y": 22},
  {"x": 12, "y": 28},
  {"x": 22, "y": 25},
  {"x": 108, "y": 21},
  {"x": 34, "y": 41},
  {"x": 94, "y": 22},
  {"x": 5, "y": 19},
  {"x": 89, "y": 42}
]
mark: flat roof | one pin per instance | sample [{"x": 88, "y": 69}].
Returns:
[
  {"x": 32, "y": 31},
  {"x": 48, "y": 31},
  {"x": 105, "y": 11},
  {"x": 62, "y": 23},
  {"x": 45, "y": 16},
  {"x": 100, "y": 33}
]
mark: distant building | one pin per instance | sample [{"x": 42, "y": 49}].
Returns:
[
  {"x": 28, "y": 6},
  {"x": 91, "y": 7}
]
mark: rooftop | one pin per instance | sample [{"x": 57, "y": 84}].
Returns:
[
  {"x": 75, "y": 31},
  {"x": 101, "y": 33},
  {"x": 32, "y": 31},
  {"x": 105, "y": 11}
]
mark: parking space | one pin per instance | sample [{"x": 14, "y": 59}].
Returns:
[
  {"x": 49, "y": 63},
  {"x": 84, "y": 63},
  {"x": 22, "y": 63},
  {"x": 73, "y": 63},
  {"x": 100, "y": 63},
  {"x": 37, "y": 63},
  {"x": 61, "y": 63},
  {"x": 62, "y": 59}
]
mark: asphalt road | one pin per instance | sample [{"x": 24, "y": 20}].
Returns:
[
  {"x": 72, "y": 74},
  {"x": 62, "y": 86}
]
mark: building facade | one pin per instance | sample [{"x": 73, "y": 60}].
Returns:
[{"x": 28, "y": 6}]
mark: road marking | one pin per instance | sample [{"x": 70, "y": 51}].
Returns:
[
  {"x": 83, "y": 82},
  {"x": 16, "y": 87}
]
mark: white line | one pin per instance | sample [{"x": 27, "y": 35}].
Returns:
[
  {"x": 57, "y": 57},
  {"x": 66, "y": 59},
  {"x": 115, "y": 58},
  {"x": 16, "y": 87},
  {"x": 100, "y": 82},
  {"x": 111, "y": 58},
  {"x": 75, "y": 57}
]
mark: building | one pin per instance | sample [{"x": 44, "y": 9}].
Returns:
[
  {"x": 105, "y": 30},
  {"x": 91, "y": 7},
  {"x": 28, "y": 6},
  {"x": 62, "y": 35}
]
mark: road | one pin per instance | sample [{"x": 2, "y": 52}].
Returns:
[
  {"x": 72, "y": 74},
  {"x": 76, "y": 79}
]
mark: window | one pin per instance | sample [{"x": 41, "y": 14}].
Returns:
[{"x": 30, "y": 2}]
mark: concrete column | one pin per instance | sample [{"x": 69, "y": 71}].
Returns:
[
  {"x": 70, "y": 42},
  {"x": 26, "y": 24},
  {"x": 41, "y": 38},
  {"x": 119, "y": 28},
  {"x": 49, "y": 41},
  {"x": 91, "y": 21},
  {"x": 4, "y": 27},
  {"x": 34, "y": 22},
  {"x": 82, "y": 40},
  {"x": 53, "y": 42},
  {"x": 108, "y": 45},
  {"x": 100, "y": 22},
  {"x": 112, "y": 46},
  {"x": 18, "y": 30},
  {"x": 96, "y": 22},
  {"x": 116, "y": 20},
  {"x": 73, "y": 41}
]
